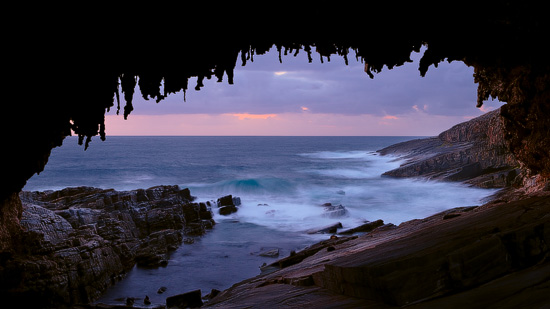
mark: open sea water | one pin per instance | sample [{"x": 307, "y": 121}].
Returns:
[{"x": 282, "y": 183}]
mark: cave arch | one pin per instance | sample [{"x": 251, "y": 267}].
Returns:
[{"x": 75, "y": 63}]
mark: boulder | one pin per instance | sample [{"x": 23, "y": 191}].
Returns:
[
  {"x": 213, "y": 293},
  {"x": 237, "y": 201},
  {"x": 227, "y": 210},
  {"x": 225, "y": 201},
  {"x": 228, "y": 204},
  {"x": 364, "y": 228},
  {"x": 273, "y": 253},
  {"x": 191, "y": 299},
  {"x": 332, "y": 211}
]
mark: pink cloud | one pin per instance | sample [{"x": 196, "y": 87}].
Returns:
[
  {"x": 253, "y": 116},
  {"x": 285, "y": 124}
]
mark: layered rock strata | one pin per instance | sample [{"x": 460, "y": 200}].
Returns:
[
  {"x": 77, "y": 242},
  {"x": 474, "y": 151},
  {"x": 493, "y": 255}
]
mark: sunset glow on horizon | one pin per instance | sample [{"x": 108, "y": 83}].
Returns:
[
  {"x": 285, "y": 124},
  {"x": 297, "y": 98}
]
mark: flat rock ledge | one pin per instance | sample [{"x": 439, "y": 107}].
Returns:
[
  {"x": 79, "y": 241},
  {"x": 495, "y": 255}
]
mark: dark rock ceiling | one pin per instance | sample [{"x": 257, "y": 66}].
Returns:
[{"x": 72, "y": 64}]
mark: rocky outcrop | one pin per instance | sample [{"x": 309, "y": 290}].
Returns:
[
  {"x": 228, "y": 204},
  {"x": 77, "y": 242},
  {"x": 363, "y": 228},
  {"x": 186, "y": 300},
  {"x": 455, "y": 258},
  {"x": 492, "y": 255},
  {"x": 474, "y": 151},
  {"x": 334, "y": 211}
]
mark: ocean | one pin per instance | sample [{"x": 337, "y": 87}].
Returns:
[{"x": 282, "y": 182}]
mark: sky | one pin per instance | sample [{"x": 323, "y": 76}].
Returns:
[{"x": 297, "y": 98}]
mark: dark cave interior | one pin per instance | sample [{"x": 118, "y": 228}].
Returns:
[
  {"x": 79, "y": 65},
  {"x": 68, "y": 65}
]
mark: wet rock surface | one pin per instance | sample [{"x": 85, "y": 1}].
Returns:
[
  {"x": 492, "y": 254},
  {"x": 363, "y": 228},
  {"x": 334, "y": 211},
  {"x": 79, "y": 241},
  {"x": 228, "y": 205},
  {"x": 191, "y": 299}
]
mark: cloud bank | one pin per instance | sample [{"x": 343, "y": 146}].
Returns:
[{"x": 285, "y": 98}]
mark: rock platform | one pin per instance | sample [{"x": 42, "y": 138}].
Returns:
[{"x": 494, "y": 254}]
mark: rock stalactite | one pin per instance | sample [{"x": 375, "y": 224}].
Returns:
[{"x": 91, "y": 66}]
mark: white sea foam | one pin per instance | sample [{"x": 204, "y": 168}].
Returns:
[
  {"x": 293, "y": 175},
  {"x": 365, "y": 155},
  {"x": 365, "y": 194}
]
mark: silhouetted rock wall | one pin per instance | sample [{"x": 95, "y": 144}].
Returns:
[{"x": 106, "y": 54}]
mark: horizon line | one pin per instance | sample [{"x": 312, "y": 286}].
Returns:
[{"x": 107, "y": 136}]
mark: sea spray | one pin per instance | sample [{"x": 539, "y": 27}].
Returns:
[{"x": 283, "y": 183}]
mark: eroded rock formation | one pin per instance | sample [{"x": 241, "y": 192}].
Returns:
[
  {"x": 492, "y": 255},
  {"x": 474, "y": 151},
  {"x": 78, "y": 241}
]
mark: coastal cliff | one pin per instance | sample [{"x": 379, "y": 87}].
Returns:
[{"x": 474, "y": 151}]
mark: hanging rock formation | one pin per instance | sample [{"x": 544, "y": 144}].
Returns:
[{"x": 89, "y": 66}]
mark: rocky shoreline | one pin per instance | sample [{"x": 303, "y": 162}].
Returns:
[
  {"x": 79, "y": 241},
  {"x": 494, "y": 255},
  {"x": 491, "y": 255},
  {"x": 473, "y": 152}
]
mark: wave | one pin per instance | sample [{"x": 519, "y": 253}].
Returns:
[
  {"x": 355, "y": 154},
  {"x": 137, "y": 179},
  {"x": 248, "y": 186},
  {"x": 341, "y": 173}
]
